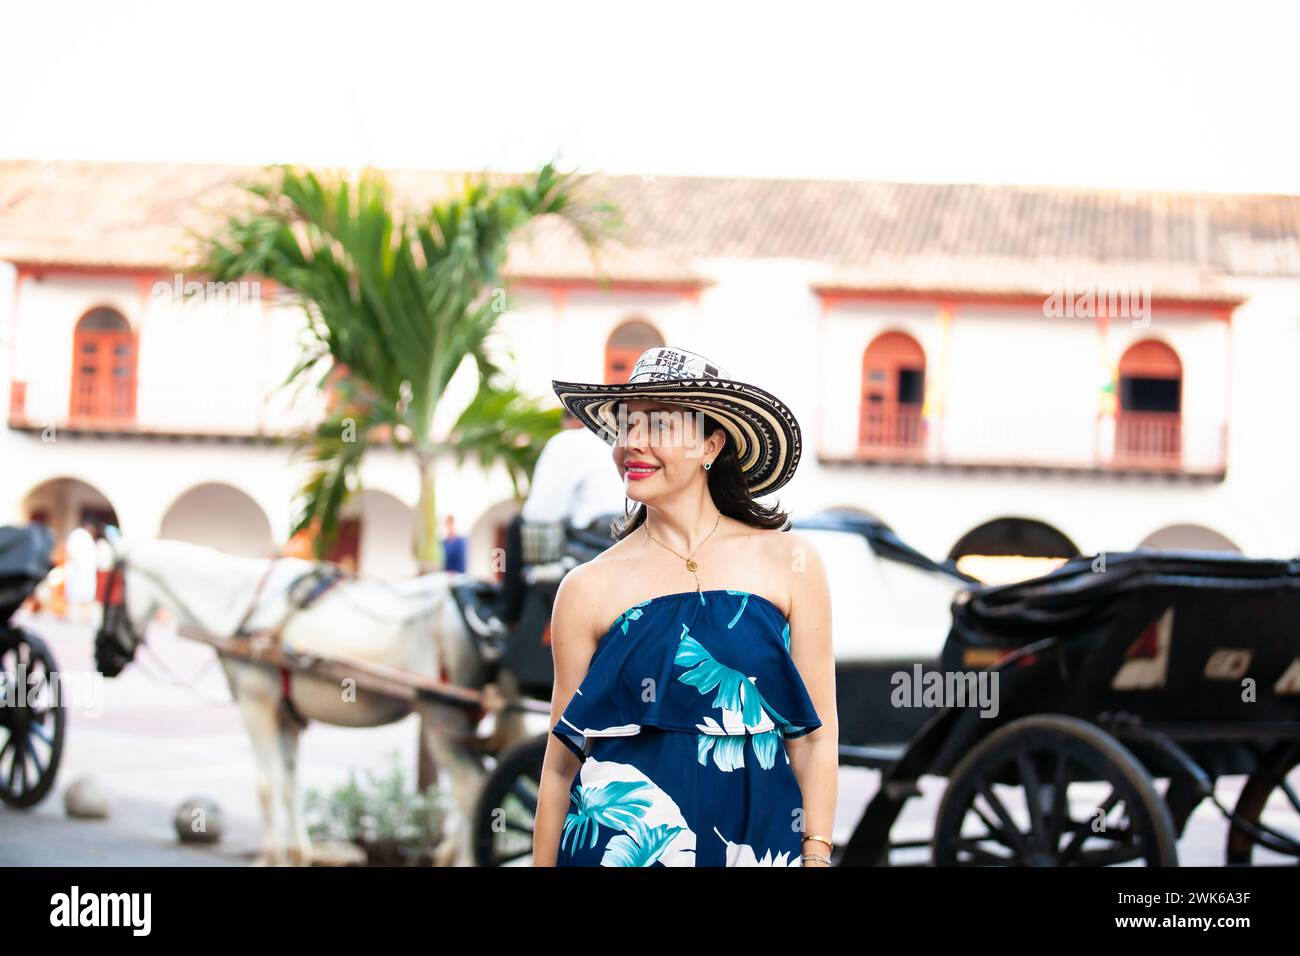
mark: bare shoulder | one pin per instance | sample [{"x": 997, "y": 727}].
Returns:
[
  {"x": 788, "y": 550},
  {"x": 581, "y": 583},
  {"x": 797, "y": 561},
  {"x": 572, "y": 620}
]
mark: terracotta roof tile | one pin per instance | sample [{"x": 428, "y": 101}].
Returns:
[{"x": 870, "y": 234}]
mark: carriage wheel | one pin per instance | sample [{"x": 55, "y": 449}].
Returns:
[
  {"x": 31, "y": 731},
  {"x": 507, "y": 808},
  {"x": 1038, "y": 759},
  {"x": 1270, "y": 779}
]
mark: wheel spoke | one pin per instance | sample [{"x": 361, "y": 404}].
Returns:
[
  {"x": 969, "y": 845},
  {"x": 37, "y": 765},
  {"x": 10, "y": 744},
  {"x": 1084, "y": 829},
  {"x": 1286, "y": 788},
  {"x": 1008, "y": 824},
  {"x": 511, "y": 857},
  {"x": 527, "y": 795},
  {"x": 1034, "y": 797},
  {"x": 995, "y": 831},
  {"x": 18, "y": 769},
  {"x": 1060, "y": 799}
]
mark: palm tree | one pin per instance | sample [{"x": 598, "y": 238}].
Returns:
[{"x": 396, "y": 305}]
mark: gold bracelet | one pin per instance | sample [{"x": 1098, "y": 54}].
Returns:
[{"x": 814, "y": 836}]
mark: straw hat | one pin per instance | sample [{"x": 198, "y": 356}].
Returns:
[{"x": 763, "y": 432}]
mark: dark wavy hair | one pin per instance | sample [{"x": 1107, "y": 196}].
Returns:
[{"x": 727, "y": 488}]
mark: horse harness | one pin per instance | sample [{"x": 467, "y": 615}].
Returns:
[{"x": 305, "y": 590}]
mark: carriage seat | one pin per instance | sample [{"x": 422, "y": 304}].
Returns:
[
  {"x": 477, "y": 601},
  {"x": 24, "y": 562}
]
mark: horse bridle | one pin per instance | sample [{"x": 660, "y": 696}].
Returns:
[{"x": 116, "y": 641}]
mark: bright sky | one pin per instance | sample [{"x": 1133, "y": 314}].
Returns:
[{"x": 1180, "y": 95}]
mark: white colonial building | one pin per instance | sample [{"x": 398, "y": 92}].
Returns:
[{"x": 990, "y": 370}]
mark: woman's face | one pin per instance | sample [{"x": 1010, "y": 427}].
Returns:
[{"x": 661, "y": 448}]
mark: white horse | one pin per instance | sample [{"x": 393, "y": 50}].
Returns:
[{"x": 412, "y": 625}]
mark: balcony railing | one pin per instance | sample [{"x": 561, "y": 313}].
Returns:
[
  {"x": 114, "y": 405},
  {"x": 892, "y": 430},
  {"x": 35, "y": 405},
  {"x": 1146, "y": 441},
  {"x": 1148, "y": 438}
]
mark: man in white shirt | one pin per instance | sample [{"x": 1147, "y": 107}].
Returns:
[
  {"x": 575, "y": 485},
  {"x": 79, "y": 572},
  {"x": 575, "y": 479}
]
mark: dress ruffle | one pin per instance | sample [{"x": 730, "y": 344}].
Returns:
[{"x": 713, "y": 663}]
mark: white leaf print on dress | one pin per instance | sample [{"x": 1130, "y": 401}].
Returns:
[
  {"x": 742, "y": 854},
  {"x": 653, "y": 809}
]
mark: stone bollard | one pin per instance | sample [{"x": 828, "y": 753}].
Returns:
[
  {"x": 86, "y": 799},
  {"x": 199, "y": 820}
]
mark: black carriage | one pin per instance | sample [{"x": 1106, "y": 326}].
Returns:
[
  {"x": 1110, "y": 675},
  {"x": 1114, "y": 672},
  {"x": 31, "y": 714}
]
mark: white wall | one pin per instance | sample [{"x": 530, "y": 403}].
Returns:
[
  {"x": 205, "y": 366},
  {"x": 760, "y": 320}
]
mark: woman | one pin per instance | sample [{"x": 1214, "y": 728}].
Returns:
[{"x": 699, "y": 728}]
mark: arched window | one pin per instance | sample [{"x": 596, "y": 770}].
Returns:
[
  {"x": 103, "y": 368},
  {"x": 1011, "y": 549},
  {"x": 626, "y": 343},
  {"x": 893, "y": 392},
  {"x": 1148, "y": 426}
]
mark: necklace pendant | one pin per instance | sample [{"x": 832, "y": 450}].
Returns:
[{"x": 691, "y": 565}]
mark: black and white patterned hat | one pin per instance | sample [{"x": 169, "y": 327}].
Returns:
[{"x": 762, "y": 429}]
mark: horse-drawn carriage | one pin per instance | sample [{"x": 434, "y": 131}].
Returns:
[
  {"x": 1052, "y": 707},
  {"x": 31, "y": 714}
]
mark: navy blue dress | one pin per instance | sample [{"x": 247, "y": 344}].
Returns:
[{"x": 680, "y": 724}]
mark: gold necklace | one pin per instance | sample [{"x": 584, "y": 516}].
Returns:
[{"x": 690, "y": 562}]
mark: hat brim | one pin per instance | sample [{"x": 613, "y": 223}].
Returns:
[{"x": 766, "y": 435}]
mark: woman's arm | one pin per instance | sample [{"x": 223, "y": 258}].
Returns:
[
  {"x": 573, "y": 641},
  {"x": 815, "y": 756}
]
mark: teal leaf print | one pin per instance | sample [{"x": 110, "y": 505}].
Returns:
[
  {"x": 765, "y": 747},
  {"x": 744, "y": 599},
  {"x": 734, "y": 690},
  {"x": 617, "y": 805},
  {"x": 631, "y": 614},
  {"x": 728, "y": 750},
  {"x": 639, "y": 845}
]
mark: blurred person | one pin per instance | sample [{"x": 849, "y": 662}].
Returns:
[
  {"x": 453, "y": 547},
  {"x": 79, "y": 572},
  {"x": 575, "y": 486},
  {"x": 103, "y": 562}
]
